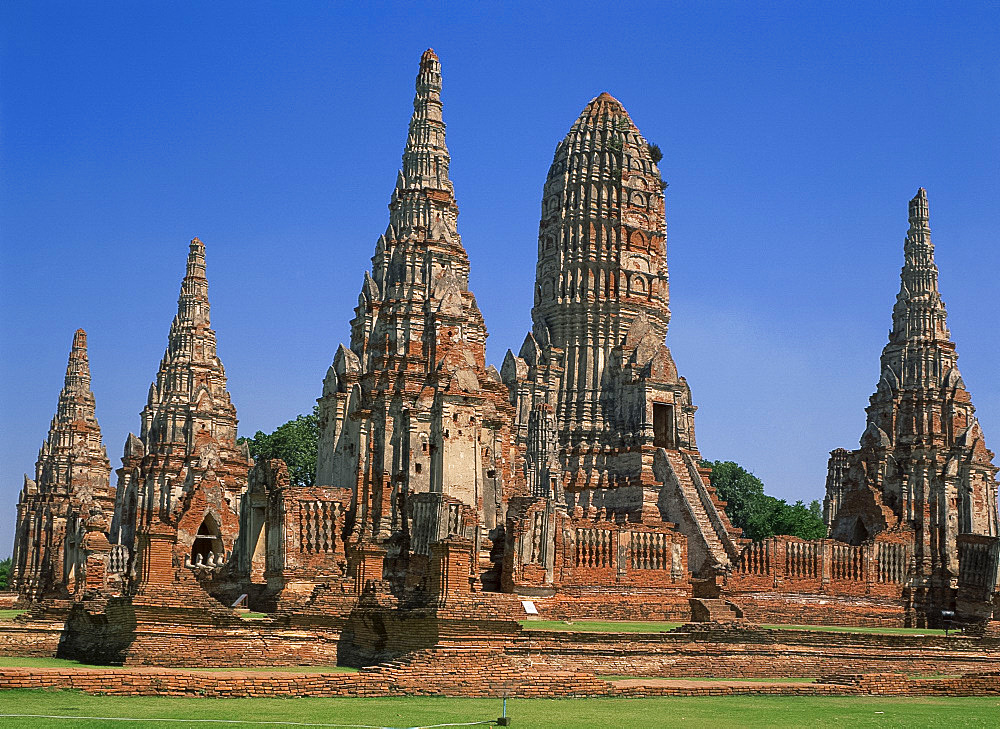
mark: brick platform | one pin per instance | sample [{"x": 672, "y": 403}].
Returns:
[
  {"x": 748, "y": 652},
  {"x": 506, "y": 678}
]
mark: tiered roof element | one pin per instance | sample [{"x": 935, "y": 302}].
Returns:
[
  {"x": 596, "y": 356},
  {"x": 70, "y": 494},
  {"x": 188, "y": 426},
  {"x": 923, "y": 463},
  {"x": 410, "y": 407}
]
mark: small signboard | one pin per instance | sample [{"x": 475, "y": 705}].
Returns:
[
  {"x": 529, "y": 607},
  {"x": 241, "y": 601}
]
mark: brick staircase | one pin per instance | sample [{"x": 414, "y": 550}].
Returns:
[
  {"x": 706, "y": 610},
  {"x": 692, "y": 496}
]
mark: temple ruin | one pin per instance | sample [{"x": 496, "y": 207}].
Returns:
[{"x": 452, "y": 499}]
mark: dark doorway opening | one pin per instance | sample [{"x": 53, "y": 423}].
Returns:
[
  {"x": 663, "y": 425},
  {"x": 207, "y": 541}
]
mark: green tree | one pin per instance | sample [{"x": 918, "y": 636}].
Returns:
[
  {"x": 5, "y": 567},
  {"x": 296, "y": 443},
  {"x": 761, "y": 516}
]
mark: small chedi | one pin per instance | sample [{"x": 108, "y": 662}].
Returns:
[
  {"x": 451, "y": 497},
  {"x": 923, "y": 473},
  {"x": 64, "y": 515}
]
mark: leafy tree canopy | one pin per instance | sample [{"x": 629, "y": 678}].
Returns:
[
  {"x": 761, "y": 516},
  {"x": 5, "y": 567},
  {"x": 296, "y": 443}
]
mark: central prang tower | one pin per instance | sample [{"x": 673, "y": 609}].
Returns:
[
  {"x": 595, "y": 387},
  {"x": 411, "y": 418}
]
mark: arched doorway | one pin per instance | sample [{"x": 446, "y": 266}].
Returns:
[{"x": 207, "y": 541}]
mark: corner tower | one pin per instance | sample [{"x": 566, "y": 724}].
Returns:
[
  {"x": 596, "y": 388},
  {"x": 70, "y": 496},
  {"x": 411, "y": 408},
  {"x": 185, "y": 464},
  {"x": 922, "y": 466}
]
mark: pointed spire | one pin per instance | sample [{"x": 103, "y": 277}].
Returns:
[
  {"x": 192, "y": 304},
  {"x": 78, "y": 368},
  {"x": 189, "y": 366},
  {"x": 74, "y": 431},
  {"x": 919, "y": 313},
  {"x": 426, "y": 158}
]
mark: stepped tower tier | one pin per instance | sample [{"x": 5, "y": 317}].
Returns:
[
  {"x": 596, "y": 357},
  {"x": 70, "y": 497},
  {"x": 187, "y": 436},
  {"x": 922, "y": 465},
  {"x": 410, "y": 407}
]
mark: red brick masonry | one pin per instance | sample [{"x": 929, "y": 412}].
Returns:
[{"x": 414, "y": 679}]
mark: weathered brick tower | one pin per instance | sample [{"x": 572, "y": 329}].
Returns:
[
  {"x": 181, "y": 479},
  {"x": 65, "y": 511},
  {"x": 923, "y": 464},
  {"x": 411, "y": 418},
  {"x": 596, "y": 389}
]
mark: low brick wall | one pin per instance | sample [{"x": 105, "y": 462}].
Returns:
[
  {"x": 755, "y": 653},
  {"x": 820, "y": 609},
  {"x": 505, "y": 678},
  {"x": 30, "y": 638},
  {"x": 439, "y": 672}
]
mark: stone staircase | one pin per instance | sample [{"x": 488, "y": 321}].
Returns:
[
  {"x": 700, "y": 514},
  {"x": 705, "y": 610}
]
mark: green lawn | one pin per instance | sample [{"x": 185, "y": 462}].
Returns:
[
  {"x": 854, "y": 629},
  {"x": 254, "y": 616},
  {"x": 628, "y": 626},
  {"x": 732, "y": 711},
  {"x": 35, "y": 662},
  {"x": 598, "y": 626},
  {"x": 9, "y": 614}
]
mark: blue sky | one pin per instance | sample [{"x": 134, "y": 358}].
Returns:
[{"x": 793, "y": 136}]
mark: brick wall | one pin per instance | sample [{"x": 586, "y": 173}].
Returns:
[
  {"x": 472, "y": 673},
  {"x": 755, "y": 653}
]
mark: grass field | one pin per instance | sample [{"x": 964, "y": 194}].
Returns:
[
  {"x": 597, "y": 626},
  {"x": 9, "y": 614},
  {"x": 625, "y": 626},
  {"x": 732, "y": 711}
]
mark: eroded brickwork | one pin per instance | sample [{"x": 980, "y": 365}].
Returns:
[
  {"x": 60, "y": 544},
  {"x": 923, "y": 468},
  {"x": 181, "y": 479},
  {"x": 411, "y": 407},
  {"x": 447, "y": 492},
  {"x": 596, "y": 389}
]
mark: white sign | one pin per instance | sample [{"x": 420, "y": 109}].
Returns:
[{"x": 529, "y": 607}]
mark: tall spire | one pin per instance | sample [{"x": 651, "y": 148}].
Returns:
[
  {"x": 919, "y": 314},
  {"x": 418, "y": 351},
  {"x": 420, "y": 255},
  {"x": 426, "y": 158},
  {"x": 188, "y": 424},
  {"x": 192, "y": 304},
  {"x": 71, "y": 492},
  {"x": 189, "y": 395},
  {"x": 74, "y": 434},
  {"x": 922, "y": 464},
  {"x": 424, "y": 198},
  {"x": 76, "y": 401}
]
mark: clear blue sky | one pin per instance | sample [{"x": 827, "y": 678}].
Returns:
[{"x": 793, "y": 136}]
